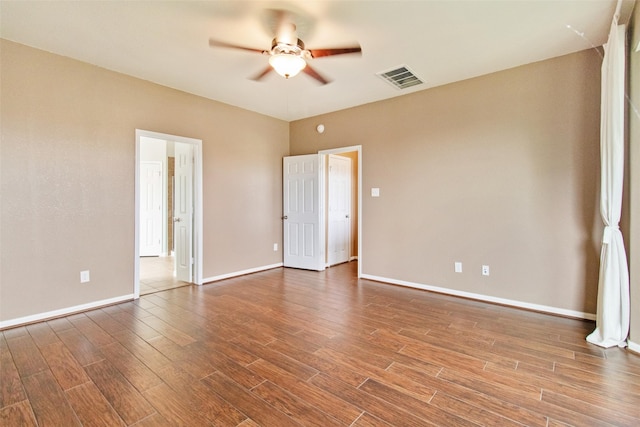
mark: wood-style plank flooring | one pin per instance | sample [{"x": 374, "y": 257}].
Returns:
[{"x": 290, "y": 347}]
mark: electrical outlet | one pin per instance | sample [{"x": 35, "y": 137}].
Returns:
[
  {"x": 84, "y": 276},
  {"x": 485, "y": 270},
  {"x": 458, "y": 267},
  {"x": 275, "y": 247}
]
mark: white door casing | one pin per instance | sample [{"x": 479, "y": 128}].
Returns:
[
  {"x": 303, "y": 230},
  {"x": 183, "y": 212},
  {"x": 339, "y": 210},
  {"x": 150, "y": 208}
]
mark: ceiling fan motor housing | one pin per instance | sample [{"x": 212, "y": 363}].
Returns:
[{"x": 280, "y": 47}]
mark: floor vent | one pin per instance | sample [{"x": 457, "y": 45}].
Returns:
[{"x": 401, "y": 77}]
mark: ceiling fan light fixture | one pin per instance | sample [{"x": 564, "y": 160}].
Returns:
[{"x": 287, "y": 64}]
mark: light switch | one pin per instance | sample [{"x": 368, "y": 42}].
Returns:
[
  {"x": 84, "y": 276},
  {"x": 375, "y": 192}
]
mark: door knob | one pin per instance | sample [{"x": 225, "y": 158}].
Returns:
[
  {"x": 285, "y": 217},
  {"x": 177, "y": 219},
  {"x": 346, "y": 216}
]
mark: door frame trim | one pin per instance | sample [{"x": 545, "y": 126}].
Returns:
[
  {"x": 197, "y": 204},
  {"x": 358, "y": 149}
]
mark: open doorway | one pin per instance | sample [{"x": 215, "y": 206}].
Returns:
[
  {"x": 342, "y": 204},
  {"x": 339, "y": 236},
  {"x": 168, "y": 244},
  {"x": 305, "y": 214}
]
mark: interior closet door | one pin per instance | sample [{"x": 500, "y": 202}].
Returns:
[
  {"x": 303, "y": 230},
  {"x": 339, "y": 210}
]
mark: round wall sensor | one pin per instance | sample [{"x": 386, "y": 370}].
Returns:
[{"x": 320, "y": 128}]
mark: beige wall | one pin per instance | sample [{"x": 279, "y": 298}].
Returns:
[
  {"x": 633, "y": 241},
  {"x": 67, "y": 179},
  {"x": 500, "y": 170}
]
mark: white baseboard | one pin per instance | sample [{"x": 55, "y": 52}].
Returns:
[
  {"x": 485, "y": 298},
  {"x": 240, "y": 273},
  {"x": 63, "y": 311},
  {"x": 635, "y": 347},
  {"x": 519, "y": 304},
  {"x": 353, "y": 258}
]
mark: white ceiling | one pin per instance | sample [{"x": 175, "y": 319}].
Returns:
[{"x": 166, "y": 42}]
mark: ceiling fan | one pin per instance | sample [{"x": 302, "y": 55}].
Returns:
[{"x": 288, "y": 55}]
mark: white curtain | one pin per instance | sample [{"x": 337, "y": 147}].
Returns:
[{"x": 612, "y": 321}]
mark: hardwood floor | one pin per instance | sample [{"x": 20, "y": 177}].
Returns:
[{"x": 290, "y": 347}]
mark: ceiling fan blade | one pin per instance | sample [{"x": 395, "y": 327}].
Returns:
[
  {"x": 218, "y": 43},
  {"x": 263, "y": 73},
  {"x": 317, "y": 53},
  {"x": 313, "y": 73}
]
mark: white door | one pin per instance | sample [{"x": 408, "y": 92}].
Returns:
[
  {"x": 303, "y": 238},
  {"x": 150, "y": 208},
  {"x": 183, "y": 212},
  {"x": 339, "y": 210}
]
